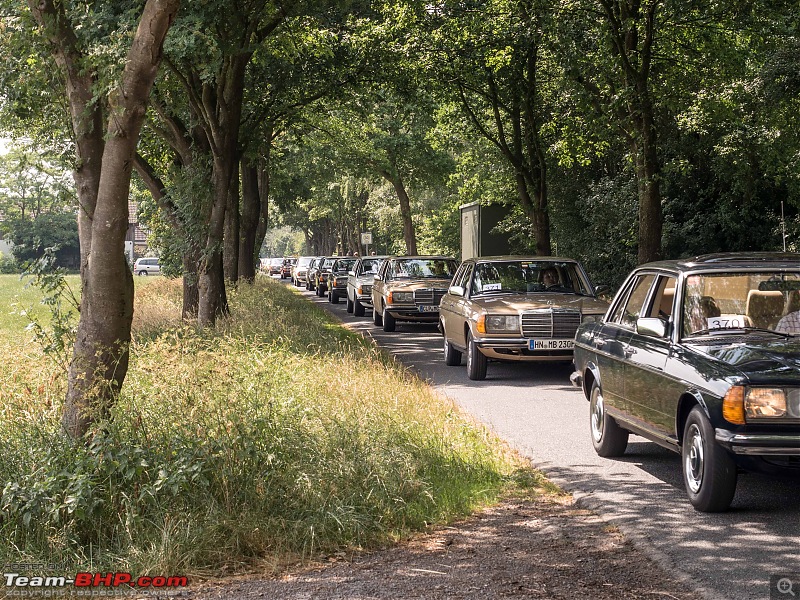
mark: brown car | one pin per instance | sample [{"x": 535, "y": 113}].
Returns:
[
  {"x": 516, "y": 308},
  {"x": 409, "y": 288}
]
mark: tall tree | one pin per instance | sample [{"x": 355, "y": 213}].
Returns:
[
  {"x": 102, "y": 176},
  {"x": 496, "y": 60}
]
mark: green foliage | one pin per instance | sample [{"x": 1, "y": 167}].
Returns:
[
  {"x": 279, "y": 435},
  {"x": 31, "y": 238},
  {"x": 57, "y": 337},
  {"x": 8, "y": 264}
]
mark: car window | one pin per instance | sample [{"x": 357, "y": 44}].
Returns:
[
  {"x": 630, "y": 310},
  {"x": 371, "y": 265},
  {"x": 663, "y": 298},
  {"x": 720, "y": 303}
]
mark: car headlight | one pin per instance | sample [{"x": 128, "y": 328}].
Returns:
[
  {"x": 742, "y": 404},
  {"x": 502, "y": 323},
  {"x": 591, "y": 318},
  {"x": 401, "y": 297}
]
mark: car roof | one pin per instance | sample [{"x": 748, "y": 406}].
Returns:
[
  {"x": 730, "y": 260},
  {"x": 512, "y": 257},
  {"x": 419, "y": 256}
]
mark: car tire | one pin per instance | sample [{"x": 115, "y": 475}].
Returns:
[
  {"x": 389, "y": 322},
  {"x": 709, "y": 472},
  {"x": 334, "y": 297},
  {"x": 608, "y": 438},
  {"x": 452, "y": 357},
  {"x": 319, "y": 291},
  {"x": 358, "y": 308},
  {"x": 476, "y": 360},
  {"x": 349, "y": 305},
  {"x": 377, "y": 319}
]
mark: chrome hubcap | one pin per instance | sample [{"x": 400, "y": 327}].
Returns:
[
  {"x": 597, "y": 416},
  {"x": 693, "y": 466}
]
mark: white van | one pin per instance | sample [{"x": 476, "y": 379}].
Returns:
[{"x": 147, "y": 266}]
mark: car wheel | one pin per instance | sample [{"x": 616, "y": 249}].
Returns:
[
  {"x": 709, "y": 472},
  {"x": 452, "y": 357},
  {"x": 349, "y": 305},
  {"x": 358, "y": 309},
  {"x": 389, "y": 322},
  {"x": 476, "y": 360},
  {"x": 334, "y": 297},
  {"x": 142, "y": 273},
  {"x": 608, "y": 438},
  {"x": 376, "y": 316},
  {"x": 320, "y": 291}
]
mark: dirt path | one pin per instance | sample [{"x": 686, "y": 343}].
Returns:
[{"x": 519, "y": 549}]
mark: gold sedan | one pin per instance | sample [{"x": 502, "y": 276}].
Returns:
[
  {"x": 516, "y": 308},
  {"x": 409, "y": 288}
]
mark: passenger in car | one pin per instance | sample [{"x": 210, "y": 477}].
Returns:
[{"x": 791, "y": 322}]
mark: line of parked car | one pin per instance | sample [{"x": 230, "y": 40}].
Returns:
[{"x": 701, "y": 356}]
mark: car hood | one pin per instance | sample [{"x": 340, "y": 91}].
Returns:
[
  {"x": 758, "y": 359},
  {"x": 419, "y": 284},
  {"x": 535, "y": 301}
]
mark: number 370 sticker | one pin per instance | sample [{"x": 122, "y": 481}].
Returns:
[{"x": 727, "y": 322}]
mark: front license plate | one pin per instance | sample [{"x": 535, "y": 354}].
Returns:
[
  {"x": 427, "y": 308},
  {"x": 551, "y": 344}
]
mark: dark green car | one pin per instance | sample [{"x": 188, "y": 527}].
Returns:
[{"x": 701, "y": 356}]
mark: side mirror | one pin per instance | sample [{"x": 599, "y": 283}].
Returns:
[
  {"x": 602, "y": 290},
  {"x": 651, "y": 327},
  {"x": 353, "y": 273},
  {"x": 456, "y": 290},
  {"x": 377, "y": 278}
]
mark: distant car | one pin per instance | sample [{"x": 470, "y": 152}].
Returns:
[
  {"x": 359, "y": 284},
  {"x": 300, "y": 270},
  {"x": 409, "y": 288},
  {"x": 515, "y": 308},
  {"x": 322, "y": 273},
  {"x": 147, "y": 266},
  {"x": 701, "y": 356},
  {"x": 286, "y": 267},
  {"x": 337, "y": 280},
  {"x": 275, "y": 265},
  {"x": 313, "y": 270}
]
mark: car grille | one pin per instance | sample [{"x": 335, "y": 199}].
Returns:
[
  {"x": 551, "y": 323},
  {"x": 428, "y": 296}
]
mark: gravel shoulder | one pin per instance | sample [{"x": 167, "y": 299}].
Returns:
[{"x": 542, "y": 548}]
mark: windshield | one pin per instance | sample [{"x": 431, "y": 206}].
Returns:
[
  {"x": 527, "y": 276},
  {"x": 714, "y": 303},
  {"x": 344, "y": 264},
  {"x": 422, "y": 268},
  {"x": 371, "y": 265}
]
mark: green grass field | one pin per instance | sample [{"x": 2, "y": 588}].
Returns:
[{"x": 274, "y": 438}]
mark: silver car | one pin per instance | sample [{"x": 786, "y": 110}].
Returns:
[
  {"x": 359, "y": 284},
  {"x": 300, "y": 270}
]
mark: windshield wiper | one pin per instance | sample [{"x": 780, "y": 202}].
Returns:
[{"x": 744, "y": 329}]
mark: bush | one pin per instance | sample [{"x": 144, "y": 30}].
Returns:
[{"x": 279, "y": 435}]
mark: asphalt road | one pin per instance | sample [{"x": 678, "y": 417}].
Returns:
[{"x": 731, "y": 555}]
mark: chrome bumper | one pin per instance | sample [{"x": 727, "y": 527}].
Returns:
[{"x": 759, "y": 444}]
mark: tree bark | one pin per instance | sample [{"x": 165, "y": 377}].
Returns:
[
  {"x": 100, "y": 356},
  {"x": 232, "y": 229},
  {"x": 251, "y": 211}
]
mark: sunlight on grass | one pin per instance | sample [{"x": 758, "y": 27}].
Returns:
[{"x": 277, "y": 436}]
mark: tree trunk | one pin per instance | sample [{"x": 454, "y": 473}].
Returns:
[
  {"x": 100, "y": 356},
  {"x": 251, "y": 211},
  {"x": 405, "y": 213},
  {"x": 263, "y": 193},
  {"x": 232, "y": 229}
]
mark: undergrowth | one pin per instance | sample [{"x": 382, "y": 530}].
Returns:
[{"x": 278, "y": 436}]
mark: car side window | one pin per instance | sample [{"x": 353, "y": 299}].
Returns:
[
  {"x": 630, "y": 310},
  {"x": 663, "y": 298},
  {"x": 458, "y": 279}
]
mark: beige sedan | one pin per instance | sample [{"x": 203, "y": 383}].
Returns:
[
  {"x": 409, "y": 288},
  {"x": 516, "y": 308}
]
